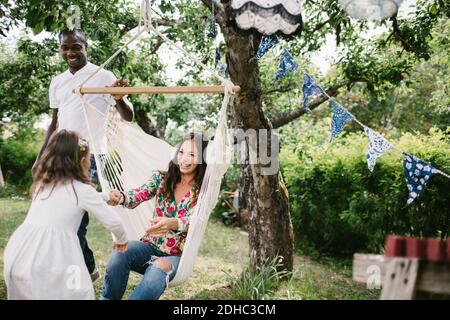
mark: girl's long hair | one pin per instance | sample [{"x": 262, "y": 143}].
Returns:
[
  {"x": 61, "y": 162},
  {"x": 173, "y": 174}
]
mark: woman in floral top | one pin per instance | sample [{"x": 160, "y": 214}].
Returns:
[{"x": 157, "y": 255}]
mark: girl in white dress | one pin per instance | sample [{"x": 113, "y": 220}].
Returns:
[{"x": 43, "y": 258}]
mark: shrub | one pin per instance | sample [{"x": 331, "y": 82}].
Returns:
[
  {"x": 17, "y": 155},
  {"x": 339, "y": 207}
]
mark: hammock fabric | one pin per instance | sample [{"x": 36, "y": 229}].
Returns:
[{"x": 127, "y": 156}]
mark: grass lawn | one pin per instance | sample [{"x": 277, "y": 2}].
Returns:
[{"x": 224, "y": 254}]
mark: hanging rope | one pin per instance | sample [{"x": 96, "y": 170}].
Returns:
[
  {"x": 145, "y": 24},
  {"x": 130, "y": 154}
]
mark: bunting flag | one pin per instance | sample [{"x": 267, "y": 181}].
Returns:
[
  {"x": 310, "y": 90},
  {"x": 417, "y": 173},
  {"x": 287, "y": 64},
  {"x": 377, "y": 146},
  {"x": 340, "y": 118},
  {"x": 266, "y": 44}
]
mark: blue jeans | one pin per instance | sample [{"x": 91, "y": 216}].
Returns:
[{"x": 140, "y": 258}]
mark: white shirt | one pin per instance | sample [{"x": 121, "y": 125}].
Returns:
[{"x": 70, "y": 106}]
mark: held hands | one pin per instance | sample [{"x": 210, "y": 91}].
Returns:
[
  {"x": 162, "y": 225},
  {"x": 120, "y": 83},
  {"x": 115, "y": 198},
  {"x": 120, "y": 247}
]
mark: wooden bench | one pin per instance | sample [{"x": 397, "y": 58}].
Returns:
[{"x": 400, "y": 277}]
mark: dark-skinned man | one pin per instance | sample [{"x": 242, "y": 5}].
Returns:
[{"x": 68, "y": 112}]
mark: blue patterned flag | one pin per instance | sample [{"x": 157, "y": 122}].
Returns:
[
  {"x": 287, "y": 64},
  {"x": 417, "y": 173},
  {"x": 377, "y": 146},
  {"x": 340, "y": 118},
  {"x": 266, "y": 44},
  {"x": 310, "y": 89}
]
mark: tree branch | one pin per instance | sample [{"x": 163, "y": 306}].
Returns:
[
  {"x": 286, "y": 117},
  {"x": 276, "y": 90},
  {"x": 158, "y": 44},
  {"x": 397, "y": 33},
  {"x": 219, "y": 11}
]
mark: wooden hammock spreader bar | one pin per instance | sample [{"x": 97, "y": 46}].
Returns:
[{"x": 155, "y": 90}]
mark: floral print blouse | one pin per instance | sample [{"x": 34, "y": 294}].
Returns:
[{"x": 172, "y": 243}]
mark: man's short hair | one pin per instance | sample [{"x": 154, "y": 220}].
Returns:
[{"x": 73, "y": 32}]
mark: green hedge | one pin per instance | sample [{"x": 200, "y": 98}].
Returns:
[
  {"x": 339, "y": 207},
  {"x": 17, "y": 155}
]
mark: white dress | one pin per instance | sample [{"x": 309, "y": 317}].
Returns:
[{"x": 43, "y": 258}]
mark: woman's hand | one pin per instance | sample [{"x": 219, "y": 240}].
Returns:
[
  {"x": 115, "y": 198},
  {"x": 162, "y": 225},
  {"x": 120, "y": 247}
]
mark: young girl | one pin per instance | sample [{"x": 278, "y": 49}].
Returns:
[
  {"x": 158, "y": 253},
  {"x": 43, "y": 258}
]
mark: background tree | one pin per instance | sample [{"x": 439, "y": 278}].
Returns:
[{"x": 372, "y": 68}]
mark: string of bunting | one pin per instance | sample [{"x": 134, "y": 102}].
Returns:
[{"x": 417, "y": 172}]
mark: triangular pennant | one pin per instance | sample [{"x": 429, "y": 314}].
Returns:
[
  {"x": 287, "y": 64},
  {"x": 377, "y": 146},
  {"x": 417, "y": 174},
  {"x": 310, "y": 90},
  {"x": 266, "y": 44},
  {"x": 340, "y": 118}
]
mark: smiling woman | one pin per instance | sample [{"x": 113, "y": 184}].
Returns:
[{"x": 157, "y": 255}]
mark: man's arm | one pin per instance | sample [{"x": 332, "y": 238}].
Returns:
[
  {"x": 122, "y": 105},
  {"x": 50, "y": 131},
  {"x": 124, "y": 109}
]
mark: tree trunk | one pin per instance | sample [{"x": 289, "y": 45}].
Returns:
[
  {"x": 147, "y": 125},
  {"x": 270, "y": 228},
  {"x": 2, "y": 180}
]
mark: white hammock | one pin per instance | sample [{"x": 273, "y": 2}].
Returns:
[{"x": 128, "y": 156}]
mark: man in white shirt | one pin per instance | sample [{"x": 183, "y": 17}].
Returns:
[{"x": 68, "y": 110}]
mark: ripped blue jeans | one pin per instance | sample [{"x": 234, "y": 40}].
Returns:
[{"x": 140, "y": 257}]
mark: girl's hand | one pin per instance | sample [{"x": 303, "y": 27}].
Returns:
[
  {"x": 115, "y": 198},
  {"x": 162, "y": 225},
  {"x": 120, "y": 247}
]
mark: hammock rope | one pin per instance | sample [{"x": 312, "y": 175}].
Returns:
[{"x": 125, "y": 155}]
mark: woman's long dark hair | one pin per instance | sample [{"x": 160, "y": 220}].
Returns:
[
  {"x": 173, "y": 174},
  {"x": 61, "y": 162}
]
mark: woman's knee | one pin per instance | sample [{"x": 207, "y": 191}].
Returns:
[
  {"x": 117, "y": 260},
  {"x": 123, "y": 259},
  {"x": 163, "y": 264}
]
